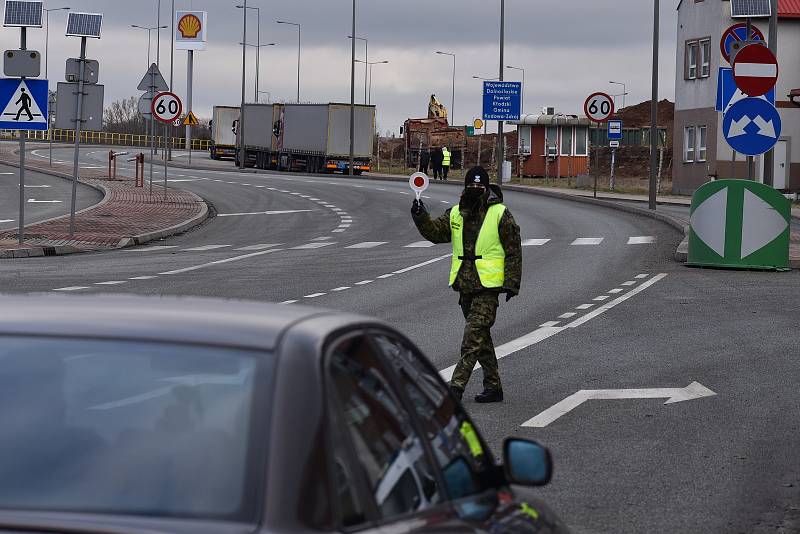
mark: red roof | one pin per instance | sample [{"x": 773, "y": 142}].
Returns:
[{"x": 789, "y": 9}]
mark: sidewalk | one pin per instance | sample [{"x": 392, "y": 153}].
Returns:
[{"x": 127, "y": 215}]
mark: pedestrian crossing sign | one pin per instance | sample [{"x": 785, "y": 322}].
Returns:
[
  {"x": 190, "y": 120},
  {"x": 24, "y": 104}
]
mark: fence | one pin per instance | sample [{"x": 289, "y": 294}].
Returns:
[
  {"x": 630, "y": 136},
  {"x": 105, "y": 138}
]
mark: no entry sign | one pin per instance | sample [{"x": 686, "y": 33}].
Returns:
[{"x": 755, "y": 70}]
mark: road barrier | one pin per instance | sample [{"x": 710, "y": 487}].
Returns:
[
  {"x": 112, "y": 163},
  {"x": 139, "y": 159},
  {"x": 106, "y": 138}
]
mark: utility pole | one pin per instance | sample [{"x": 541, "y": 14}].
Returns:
[
  {"x": 241, "y": 109},
  {"x": 654, "y": 138},
  {"x": 772, "y": 42},
  {"x": 352, "y": 89},
  {"x": 500, "y": 152}
]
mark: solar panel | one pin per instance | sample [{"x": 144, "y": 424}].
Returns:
[
  {"x": 750, "y": 8},
  {"x": 23, "y": 13},
  {"x": 84, "y": 24}
]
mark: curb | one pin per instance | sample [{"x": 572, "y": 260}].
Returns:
[{"x": 172, "y": 230}]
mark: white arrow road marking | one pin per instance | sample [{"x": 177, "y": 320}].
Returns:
[
  {"x": 694, "y": 390},
  {"x": 278, "y": 212},
  {"x": 765, "y": 128},
  {"x": 708, "y": 221},
  {"x": 544, "y": 332},
  {"x": 34, "y": 201},
  {"x": 737, "y": 128},
  {"x": 760, "y": 224}
]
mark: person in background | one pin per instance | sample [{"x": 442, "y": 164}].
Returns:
[
  {"x": 445, "y": 162},
  {"x": 424, "y": 160},
  {"x": 436, "y": 162}
]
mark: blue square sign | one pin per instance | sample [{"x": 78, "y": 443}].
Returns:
[
  {"x": 23, "y": 103},
  {"x": 502, "y": 101},
  {"x": 614, "y": 130}
]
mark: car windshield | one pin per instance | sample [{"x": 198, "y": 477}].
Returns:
[{"x": 126, "y": 427}]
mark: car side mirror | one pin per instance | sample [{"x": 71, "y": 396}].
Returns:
[{"x": 526, "y": 462}]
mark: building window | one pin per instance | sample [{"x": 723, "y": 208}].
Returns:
[
  {"x": 551, "y": 141},
  {"x": 692, "y": 51},
  {"x": 566, "y": 140},
  {"x": 701, "y": 143},
  {"x": 705, "y": 58},
  {"x": 581, "y": 140},
  {"x": 688, "y": 144}
]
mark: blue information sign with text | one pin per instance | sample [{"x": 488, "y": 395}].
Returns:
[{"x": 501, "y": 101}]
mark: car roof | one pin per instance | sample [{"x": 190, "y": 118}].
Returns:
[{"x": 198, "y": 320}]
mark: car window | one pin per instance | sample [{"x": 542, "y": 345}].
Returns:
[
  {"x": 390, "y": 454},
  {"x": 458, "y": 450},
  {"x": 126, "y": 427}
]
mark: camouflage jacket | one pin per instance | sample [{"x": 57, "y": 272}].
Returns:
[{"x": 467, "y": 280}]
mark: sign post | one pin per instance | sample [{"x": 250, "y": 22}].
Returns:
[
  {"x": 502, "y": 101},
  {"x": 166, "y": 108},
  {"x": 614, "y": 135},
  {"x": 152, "y": 82},
  {"x": 190, "y": 35},
  {"x": 598, "y": 107}
]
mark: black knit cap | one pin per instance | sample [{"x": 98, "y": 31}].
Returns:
[{"x": 477, "y": 175}]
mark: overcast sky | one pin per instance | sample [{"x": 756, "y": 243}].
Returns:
[{"x": 569, "y": 49}]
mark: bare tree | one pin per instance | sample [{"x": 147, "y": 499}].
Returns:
[{"x": 123, "y": 116}]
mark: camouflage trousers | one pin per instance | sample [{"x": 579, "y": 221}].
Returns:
[{"x": 480, "y": 310}]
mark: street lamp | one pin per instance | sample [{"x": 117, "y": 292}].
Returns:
[
  {"x": 522, "y": 99},
  {"x": 370, "y": 64},
  {"x": 258, "y": 40},
  {"x": 453, "y": 96},
  {"x": 486, "y": 79},
  {"x": 298, "y": 54},
  {"x": 623, "y": 92},
  {"x": 149, "y": 29},
  {"x": 47, "y": 34},
  {"x": 258, "y": 47},
  {"x": 366, "y": 61}
]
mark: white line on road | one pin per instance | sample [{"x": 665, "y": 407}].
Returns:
[
  {"x": 325, "y": 238},
  {"x": 587, "y": 241},
  {"x": 423, "y": 264},
  {"x": 142, "y": 278},
  {"x": 584, "y": 306},
  {"x": 368, "y": 244},
  {"x": 218, "y": 262},
  {"x": 534, "y": 242},
  {"x": 338, "y": 230},
  {"x": 204, "y": 247},
  {"x": 601, "y": 297},
  {"x": 6, "y": 220},
  {"x": 33, "y": 186},
  {"x": 548, "y": 324},
  {"x": 312, "y": 245},
  {"x": 640, "y": 276},
  {"x": 641, "y": 240},
  {"x": 388, "y": 275},
  {"x": 629, "y": 283},
  {"x": 419, "y": 244},
  {"x": 342, "y": 288},
  {"x": 615, "y": 290},
  {"x": 260, "y": 246},
  {"x": 71, "y": 288},
  {"x": 313, "y": 295},
  {"x": 567, "y": 315},
  {"x": 34, "y": 201},
  {"x": 274, "y": 212},
  {"x": 110, "y": 283},
  {"x": 288, "y": 302},
  {"x": 150, "y": 249},
  {"x": 363, "y": 282}
]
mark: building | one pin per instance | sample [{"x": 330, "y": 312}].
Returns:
[
  {"x": 701, "y": 151},
  {"x": 553, "y": 145}
]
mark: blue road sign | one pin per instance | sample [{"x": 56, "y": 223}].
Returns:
[
  {"x": 23, "y": 104},
  {"x": 728, "y": 94},
  {"x": 751, "y": 126},
  {"x": 502, "y": 101},
  {"x": 614, "y": 130}
]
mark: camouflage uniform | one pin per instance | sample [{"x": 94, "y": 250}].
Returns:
[{"x": 479, "y": 304}]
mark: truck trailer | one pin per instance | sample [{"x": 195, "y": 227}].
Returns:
[
  {"x": 308, "y": 137},
  {"x": 223, "y": 132}
]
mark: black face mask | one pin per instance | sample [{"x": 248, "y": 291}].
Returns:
[{"x": 472, "y": 194}]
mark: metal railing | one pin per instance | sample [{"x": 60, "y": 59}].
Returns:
[{"x": 106, "y": 138}]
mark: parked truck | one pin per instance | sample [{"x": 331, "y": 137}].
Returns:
[
  {"x": 308, "y": 137},
  {"x": 425, "y": 134},
  {"x": 223, "y": 132}
]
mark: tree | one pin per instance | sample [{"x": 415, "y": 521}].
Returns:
[{"x": 123, "y": 116}]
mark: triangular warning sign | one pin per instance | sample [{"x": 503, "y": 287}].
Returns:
[
  {"x": 153, "y": 79},
  {"x": 22, "y": 107},
  {"x": 190, "y": 120}
]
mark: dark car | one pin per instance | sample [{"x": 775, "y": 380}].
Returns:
[{"x": 187, "y": 415}]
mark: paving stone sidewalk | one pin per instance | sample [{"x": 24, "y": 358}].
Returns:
[{"x": 127, "y": 215}]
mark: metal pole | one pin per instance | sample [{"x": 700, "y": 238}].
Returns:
[
  {"x": 78, "y": 124},
  {"x": 654, "y": 112},
  {"x": 189, "y": 75},
  {"x": 522, "y": 102},
  {"x": 258, "y": 49},
  {"x": 369, "y": 97},
  {"x": 352, "y": 89},
  {"x": 500, "y": 155},
  {"x": 21, "y": 237},
  {"x": 46, "y": 61},
  {"x": 298, "y": 63},
  {"x": 366, "y": 64},
  {"x": 171, "y": 66},
  {"x": 158, "y": 34},
  {"x": 772, "y": 42},
  {"x": 613, "y": 161},
  {"x": 241, "y": 109},
  {"x": 453, "y": 94}
]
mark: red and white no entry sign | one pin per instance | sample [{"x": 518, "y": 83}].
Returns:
[
  {"x": 418, "y": 183},
  {"x": 599, "y": 107},
  {"x": 166, "y": 107},
  {"x": 755, "y": 70}
]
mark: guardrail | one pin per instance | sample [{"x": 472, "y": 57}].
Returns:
[{"x": 106, "y": 138}]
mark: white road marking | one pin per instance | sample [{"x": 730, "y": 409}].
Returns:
[
  {"x": 584, "y": 306},
  {"x": 312, "y": 198},
  {"x": 110, "y": 283},
  {"x": 615, "y": 290},
  {"x": 312, "y": 245},
  {"x": 548, "y": 324},
  {"x": 313, "y": 295},
  {"x": 601, "y": 297},
  {"x": 150, "y": 249},
  {"x": 442, "y": 201},
  {"x": 34, "y": 201},
  {"x": 6, "y": 220},
  {"x": 359, "y": 186},
  {"x": 260, "y": 246},
  {"x": 32, "y": 186},
  {"x": 204, "y": 247},
  {"x": 587, "y": 241},
  {"x": 219, "y": 262},
  {"x": 342, "y": 288},
  {"x": 344, "y": 225},
  {"x": 567, "y": 315},
  {"x": 534, "y": 242},
  {"x": 322, "y": 238},
  {"x": 629, "y": 283},
  {"x": 142, "y": 278},
  {"x": 186, "y": 180},
  {"x": 380, "y": 189},
  {"x": 338, "y": 230},
  {"x": 368, "y": 244},
  {"x": 419, "y": 244},
  {"x": 274, "y": 212},
  {"x": 363, "y": 282},
  {"x": 71, "y": 288},
  {"x": 288, "y": 302},
  {"x": 640, "y": 276},
  {"x": 389, "y": 275},
  {"x": 641, "y": 240},
  {"x": 423, "y": 264}
]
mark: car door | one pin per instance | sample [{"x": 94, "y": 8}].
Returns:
[
  {"x": 382, "y": 472},
  {"x": 475, "y": 485}
]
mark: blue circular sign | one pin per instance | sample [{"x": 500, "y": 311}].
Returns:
[{"x": 751, "y": 126}]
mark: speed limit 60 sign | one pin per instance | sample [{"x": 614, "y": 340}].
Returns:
[
  {"x": 166, "y": 107},
  {"x": 599, "y": 107}
]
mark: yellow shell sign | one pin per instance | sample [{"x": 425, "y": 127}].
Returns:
[{"x": 190, "y": 30}]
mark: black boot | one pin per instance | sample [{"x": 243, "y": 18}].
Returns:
[
  {"x": 490, "y": 395},
  {"x": 457, "y": 392}
]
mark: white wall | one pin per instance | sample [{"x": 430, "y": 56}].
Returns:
[{"x": 697, "y": 20}]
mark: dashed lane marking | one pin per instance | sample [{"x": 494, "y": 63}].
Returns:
[
  {"x": 322, "y": 238},
  {"x": 272, "y": 212},
  {"x": 288, "y": 302},
  {"x": 388, "y": 275},
  {"x": 534, "y": 242},
  {"x": 342, "y": 288},
  {"x": 312, "y": 245},
  {"x": 628, "y": 283},
  {"x": 615, "y": 290},
  {"x": 567, "y": 315},
  {"x": 549, "y": 324},
  {"x": 71, "y": 288},
  {"x": 584, "y": 306},
  {"x": 420, "y": 244},
  {"x": 313, "y": 295},
  {"x": 110, "y": 283},
  {"x": 641, "y": 240},
  {"x": 260, "y": 246},
  {"x": 368, "y": 244},
  {"x": 219, "y": 262},
  {"x": 364, "y": 282},
  {"x": 587, "y": 241},
  {"x": 150, "y": 249},
  {"x": 640, "y": 276},
  {"x": 142, "y": 277},
  {"x": 204, "y": 248},
  {"x": 601, "y": 298}
]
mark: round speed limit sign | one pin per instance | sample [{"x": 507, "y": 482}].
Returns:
[
  {"x": 599, "y": 107},
  {"x": 166, "y": 107}
]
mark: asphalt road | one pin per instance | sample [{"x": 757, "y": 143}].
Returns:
[
  {"x": 609, "y": 311},
  {"x": 46, "y": 197}
]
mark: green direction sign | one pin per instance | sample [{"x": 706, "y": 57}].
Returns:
[
  {"x": 470, "y": 130},
  {"x": 739, "y": 224}
]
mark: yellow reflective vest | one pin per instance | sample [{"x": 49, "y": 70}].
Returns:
[
  {"x": 490, "y": 258},
  {"x": 445, "y": 157}
]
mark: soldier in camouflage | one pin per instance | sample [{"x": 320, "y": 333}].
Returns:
[{"x": 487, "y": 261}]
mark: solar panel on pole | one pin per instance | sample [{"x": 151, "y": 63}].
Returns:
[
  {"x": 84, "y": 25},
  {"x": 23, "y": 13},
  {"x": 750, "y": 8}
]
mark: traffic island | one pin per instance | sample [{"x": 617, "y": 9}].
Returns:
[{"x": 126, "y": 216}]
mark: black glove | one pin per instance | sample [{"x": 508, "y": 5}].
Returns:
[
  {"x": 510, "y": 293},
  {"x": 418, "y": 208}
]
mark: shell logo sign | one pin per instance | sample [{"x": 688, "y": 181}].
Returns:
[{"x": 190, "y": 30}]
